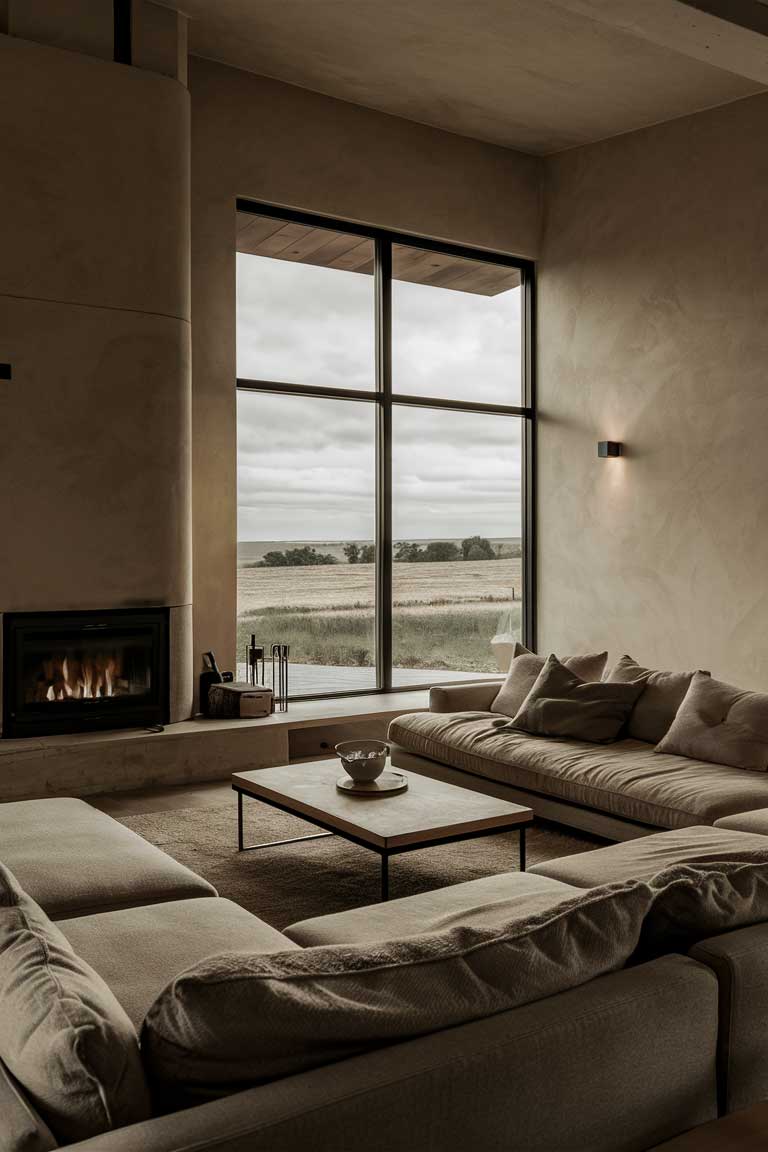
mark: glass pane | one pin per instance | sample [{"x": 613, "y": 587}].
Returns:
[
  {"x": 457, "y": 581},
  {"x": 305, "y": 304},
  {"x": 456, "y": 327},
  {"x": 306, "y": 520}
]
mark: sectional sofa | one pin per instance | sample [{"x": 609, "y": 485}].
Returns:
[
  {"x": 620, "y": 1063},
  {"x": 619, "y": 790}
]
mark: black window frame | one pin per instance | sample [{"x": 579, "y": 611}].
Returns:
[{"x": 385, "y": 400}]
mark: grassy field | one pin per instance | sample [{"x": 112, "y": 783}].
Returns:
[{"x": 445, "y": 614}]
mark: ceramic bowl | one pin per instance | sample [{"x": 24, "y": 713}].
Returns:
[{"x": 363, "y": 759}]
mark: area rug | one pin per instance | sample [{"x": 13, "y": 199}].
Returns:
[{"x": 295, "y": 881}]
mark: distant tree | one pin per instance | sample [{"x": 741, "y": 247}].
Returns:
[
  {"x": 296, "y": 558},
  {"x": 272, "y": 560},
  {"x": 407, "y": 552},
  {"x": 352, "y": 553},
  {"x": 438, "y": 551},
  {"x": 367, "y": 554},
  {"x": 482, "y": 548}
]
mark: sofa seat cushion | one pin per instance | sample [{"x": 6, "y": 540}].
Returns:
[
  {"x": 238, "y": 1019},
  {"x": 487, "y": 903},
  {"x": 63, "y": 1035},
  {"x": 137, "y": 951},
  {"x": 644, "y": 857},
  {"x": 74, "y": 860},
  {"x": 755, "y": 821},
  {"x": 627, "y": 779}
]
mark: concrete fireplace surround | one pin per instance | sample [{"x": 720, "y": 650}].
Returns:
[{"x": 95, "y": 322}]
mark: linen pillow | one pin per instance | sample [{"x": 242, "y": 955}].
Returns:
[
  {"x": 238, "y": 1019},
  {"x": 722, "y": 724},
  {"x": 526, "y": 666},
  {"x": 659, "y": 701},
  {"x": 63, "y": 1035},
  {"x": 562, "y": 704},
  {"x": 692, "y": 902}
]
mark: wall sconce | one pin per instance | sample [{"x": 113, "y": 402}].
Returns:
[{"x": 607, "y": 448}]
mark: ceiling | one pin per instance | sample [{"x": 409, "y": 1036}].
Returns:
[{"x": 537, "y": 75}]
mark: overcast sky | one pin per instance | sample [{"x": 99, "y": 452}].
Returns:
[{"x": 306, "y": 465}]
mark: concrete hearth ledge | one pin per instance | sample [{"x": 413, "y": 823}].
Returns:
[{"x": 193, "y": 750}]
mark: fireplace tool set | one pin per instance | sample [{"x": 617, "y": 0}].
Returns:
[
  {"x": 255, "y": 670},
  {"x": 254, "y": 664}
]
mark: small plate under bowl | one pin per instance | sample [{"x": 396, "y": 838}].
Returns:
[{"x": 385, "y": 785}]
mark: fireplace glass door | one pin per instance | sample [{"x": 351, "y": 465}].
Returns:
[{"x": 75, "y": 671}]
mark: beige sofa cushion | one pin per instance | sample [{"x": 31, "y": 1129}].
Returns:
[
  {"x": 63, "y": 1035},
  {"x": 755, "y": 821},
  {"x": 646, "y": 856},
  {"x": 21, "y": 1128},
  {"x": 657, "y": 706},
  {"x": 525, "y": 668},
  {"x": 720, "y": 723},
  {"x": 137, "y": 951},
  {"x": 317, "y": 1005},
  {"x": 485, "y": 903},
  {"x": 561, "y": 704},
  {"x": 74, "y": 860},
  {"x": 626, "y": 779}
]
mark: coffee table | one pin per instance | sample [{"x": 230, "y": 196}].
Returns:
[{"x": 428, "y": 813}]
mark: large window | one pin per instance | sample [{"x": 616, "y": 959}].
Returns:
[{"x": 385, "y": 441}]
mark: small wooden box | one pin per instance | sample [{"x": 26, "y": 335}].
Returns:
[{"x": 240, "y": 701}]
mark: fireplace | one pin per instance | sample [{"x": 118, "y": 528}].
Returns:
[{"x": 84, "y": 671}]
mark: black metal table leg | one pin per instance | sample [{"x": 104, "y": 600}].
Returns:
[
  {"x": 385, "y": 877},
  {"x": 522, "y": 848},
  {"x": 243, "y": 847}
]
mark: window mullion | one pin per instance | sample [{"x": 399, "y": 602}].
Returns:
[{"x": 383, "y": 278}]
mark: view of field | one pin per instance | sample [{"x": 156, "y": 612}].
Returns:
[{"x": 445, "y": 614}]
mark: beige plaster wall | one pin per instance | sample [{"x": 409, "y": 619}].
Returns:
[
  {"x": 281, "y": 144},
  {"x": 95, "y": 484},
  {"x": 653, "y": 330}
]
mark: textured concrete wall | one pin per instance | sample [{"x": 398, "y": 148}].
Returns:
[
  {"x": 281, "y": 144},
  {"x": 95, "y": 484},
  {"x": 653, "y": 329}
]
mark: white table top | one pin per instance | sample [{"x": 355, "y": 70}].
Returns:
[{"x": 428, "y": 810}]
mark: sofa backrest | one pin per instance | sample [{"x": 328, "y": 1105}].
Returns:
[{"x": 615, "y": 1065}]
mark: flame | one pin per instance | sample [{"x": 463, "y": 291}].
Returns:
[{"x": 67, "y": 678}]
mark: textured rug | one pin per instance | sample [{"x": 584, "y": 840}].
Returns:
[{"x": 295, "y": 881}]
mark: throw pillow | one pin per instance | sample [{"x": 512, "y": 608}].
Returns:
[
  {"x": 704, "y": 898},
  {"x": 524, "y": 669},
  {"x": 237, "y": 1019},
  {"x": 659, "y": 701},
  {"x": 562, "y": 704},
  {"x": 63, "y": 1035},
  {"x": 722, "y": 724},
  {"x": 21, "y": 1129}
]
